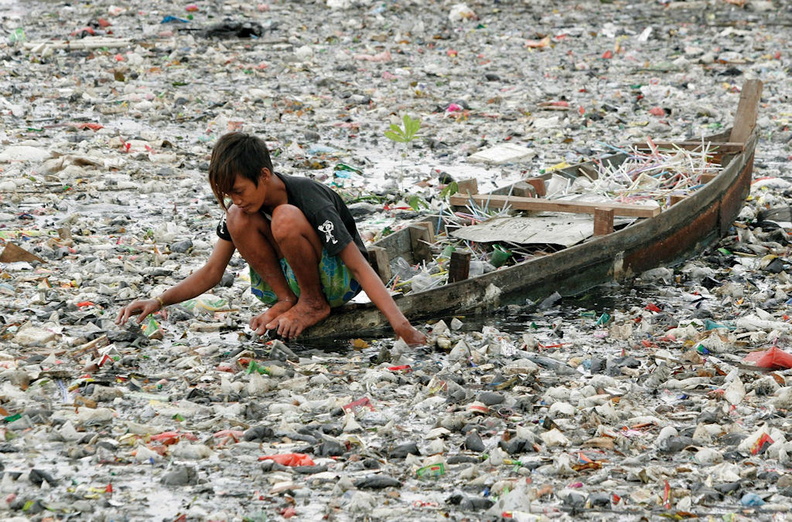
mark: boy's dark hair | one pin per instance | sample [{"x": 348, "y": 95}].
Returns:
[{"x": 236, "y": 153}]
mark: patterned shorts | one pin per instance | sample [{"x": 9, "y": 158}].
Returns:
[{"x": 337, "y": 283}]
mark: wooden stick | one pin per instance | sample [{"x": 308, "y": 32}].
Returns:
[
  {"x": 716, "y": 147},
  {"x": 467, "y": 186},
  {"x": 603, "y": 221},
  {"x": 378, "y": 259},
  {"x": 86, "y": 43},
  {"x": 459, "y": 266},
  {"x": 523, "y": 190},
  {"x": 576, "y": 207},
  {"x": 539, "y": 186},
  {"x": 421, "y": 237}
]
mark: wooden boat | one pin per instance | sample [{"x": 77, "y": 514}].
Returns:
[{"x": 656, "y": 238}]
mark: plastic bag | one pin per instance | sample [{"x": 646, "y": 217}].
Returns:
[{"x": 774, "y": 359}]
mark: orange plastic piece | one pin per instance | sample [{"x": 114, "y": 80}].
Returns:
[{"x": 291, "y": 459}]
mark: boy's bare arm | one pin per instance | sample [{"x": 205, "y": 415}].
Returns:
[
  {"x": 379, "y": 295},
  {"x": 203, "y": 279}
]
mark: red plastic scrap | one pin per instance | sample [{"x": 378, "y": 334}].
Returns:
[
  {"x": 229, "y": 435},
  {"x": 657, "y": 111},
  {"x": 167, "y": 438},
  {"x": 406, "y": 368},
  {"x": 85, "y": 31},
  {"x": 774, "y": 359},
  {"x": 290, "y": 459},
  {"x": 667, "y": 495},
  {"x": 360, "y": 403},
  {"x": 761, "y": 443},
  {"x": 88, "y": 126}
]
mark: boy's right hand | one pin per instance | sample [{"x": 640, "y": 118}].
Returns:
[
  {"x": 410, "y": 335},
  {"x": 141, "y": 307}
]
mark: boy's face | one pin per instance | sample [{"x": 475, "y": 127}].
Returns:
[{"x": 247, "y": 196}]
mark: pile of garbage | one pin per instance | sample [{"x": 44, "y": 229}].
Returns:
[{"x": 664, "y": 397}]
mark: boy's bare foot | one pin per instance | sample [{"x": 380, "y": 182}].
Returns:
[
  {"x": 305, "y": 313},
  {"x": 259, "y": 323}
]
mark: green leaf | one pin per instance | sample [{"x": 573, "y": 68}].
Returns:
[
  {"x": 416, "y": 202},
  {"x": 450, "y": 189},
  {"x": 395, "y": 137},
  {"x": 411, "y": 126},
  {"x": 404, "y": 134}
]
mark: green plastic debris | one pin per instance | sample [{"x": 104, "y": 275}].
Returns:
[
  {"x": 17, "y": 35},
  {"x": 253, "y": 366},
  {"x": 348, "y": 168},
  {"x": 208, "y": 303},
  {"x": 432, "y": 470},
  {"x": 604, "y": 319},
  {"x": 151, "y": 328},
  {"x": 712, "y": 325}
]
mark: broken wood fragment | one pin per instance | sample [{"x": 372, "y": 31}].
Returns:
[
  {"x": 459, "y": 266},
  {"x": 676, "y": 198},
  {"x": 378, "y": 259},
  {"x": 603, "y": 221},
  {"x": 539, "y": 186},
  {"x": 421, "y": 239},
  {"x": 467, "y": 186},
  {"x": 14, "y": 254}
]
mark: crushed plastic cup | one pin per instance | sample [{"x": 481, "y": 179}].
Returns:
[{"x": 499, "y": 256}]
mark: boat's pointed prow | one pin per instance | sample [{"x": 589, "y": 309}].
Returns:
[{"x": 747, "y": 111}]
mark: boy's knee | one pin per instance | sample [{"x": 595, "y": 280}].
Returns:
[
  {"x": 287, "y": 219},
  {"x": 238, "y": 221}
]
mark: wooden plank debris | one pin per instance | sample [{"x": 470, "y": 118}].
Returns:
[
  {"x": 421, "y": 239},
  {"x": 546, "y": 205},
  {"x": 502, "y": 153},
  {"x": 603, "y": 221},
  {"x": 720, "y": 147},
  {"x": 96, "y": 42},
  {"x": 459, "y": 266},
  {"x": 560, "y": 229},
  {"x": 378, "y": 259}
]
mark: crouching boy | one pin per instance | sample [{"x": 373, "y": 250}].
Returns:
[{"x": 297, "y": 235}]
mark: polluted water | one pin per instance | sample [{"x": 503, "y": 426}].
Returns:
[{"x": 663, "y": 396}]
